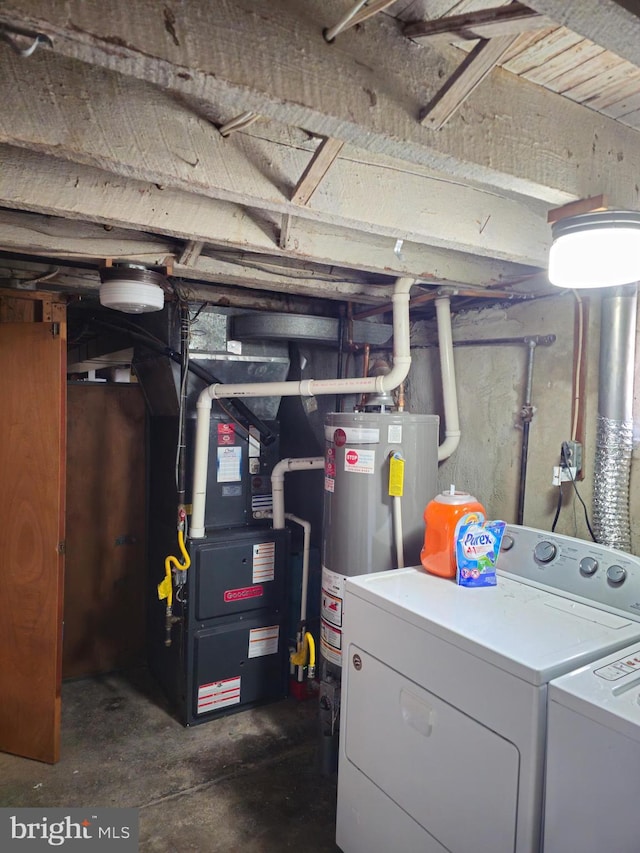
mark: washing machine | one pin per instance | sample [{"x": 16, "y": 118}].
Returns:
[
  {"x": 443, "y": 729},
  {"x": 593, "y": 758}
]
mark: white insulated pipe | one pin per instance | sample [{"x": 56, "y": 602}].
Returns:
[
  {"x": 397, "y": 531},
  {"x": 306, "y": 543},
  {"x": 306, "y": 540},
  {"x": 447, "y": 369},
  {"x": 305, "y": 388},
  {"x": 306, "y": 463}
]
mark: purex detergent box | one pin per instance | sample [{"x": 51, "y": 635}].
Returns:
[{"x": 477, "y": 549}]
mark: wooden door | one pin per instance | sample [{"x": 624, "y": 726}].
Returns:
[
  {"x": 105, "y": 575},
  {"x": 32, "y": 454}
]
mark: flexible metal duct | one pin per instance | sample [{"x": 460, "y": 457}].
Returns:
[{"x": 615, "y": 418}]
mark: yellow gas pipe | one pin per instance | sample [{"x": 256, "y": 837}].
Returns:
[{"x": 165, "y": 587}]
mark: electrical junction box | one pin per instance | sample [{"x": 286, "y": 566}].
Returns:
[{"x": 570, "y": 463}]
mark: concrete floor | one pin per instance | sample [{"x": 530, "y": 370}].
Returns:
[{"x": 247, "y": 782}]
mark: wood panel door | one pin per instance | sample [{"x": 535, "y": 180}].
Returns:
[
  {"x": 32, "y": 461},
  {"x": 105, "y": 572}
]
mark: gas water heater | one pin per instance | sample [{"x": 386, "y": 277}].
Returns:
[{"x": 358, "y": 531}]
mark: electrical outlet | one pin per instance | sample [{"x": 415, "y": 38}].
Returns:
[
  {"x": 562, "y": 474},
  {"x": 571, "y": 456}
]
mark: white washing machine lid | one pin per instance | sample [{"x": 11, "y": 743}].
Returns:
[
  {"x": 532, "y": 633},
  {"x": 607, "y": 691}
]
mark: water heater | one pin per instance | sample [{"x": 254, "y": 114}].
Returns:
[{"x": 358, "y": 529}]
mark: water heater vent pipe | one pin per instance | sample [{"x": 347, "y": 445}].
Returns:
[
  {"x": 304, "y": 388},
  {"x": 447, "y": 369}
]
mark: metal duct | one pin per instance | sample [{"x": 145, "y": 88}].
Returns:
[{"x": 615, "y": 418}]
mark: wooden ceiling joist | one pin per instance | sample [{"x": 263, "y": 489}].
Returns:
[
  {"x": 475, "y": 67},
  {"x": 483, "y": 24},
  {"x": 320, "y": 164}
]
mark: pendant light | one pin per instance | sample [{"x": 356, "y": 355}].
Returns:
[
  {"x": 131, "y": 288},
  {"x": 599, "y": 249}
]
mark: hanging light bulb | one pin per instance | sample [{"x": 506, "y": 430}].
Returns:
[
  {"x": 131, "y": 288},
  {"x": 595, "y": 249}
]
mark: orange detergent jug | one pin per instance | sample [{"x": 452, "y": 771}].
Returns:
[{"x": 443, "y": 516}]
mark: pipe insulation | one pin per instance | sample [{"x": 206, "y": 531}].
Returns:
[{"x": 614, "y": 439}]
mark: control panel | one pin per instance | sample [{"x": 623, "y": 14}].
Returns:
[{"x": 587, "y": 570}]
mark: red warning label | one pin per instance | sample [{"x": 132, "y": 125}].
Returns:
[
  {"x": 340, "y": 438},
  {"x": 226, "y": 434},
  {"x": 359, "y": 461}
]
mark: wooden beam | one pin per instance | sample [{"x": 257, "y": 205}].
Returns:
[
  {"x": 320, "y": 164},
  {"x": 367, "y": 93},
  {"x": 481, "y": 24},
  {"x": 583, "y": 205},
  {"x": 190, "y": 253},
  {"x": 472, "y": 71},
  {"x": 412, "y": 203},
  {"x": 53, "y": 187},
  {"x": 74, "y": 280},
  {"x": 285, "y": 231}
]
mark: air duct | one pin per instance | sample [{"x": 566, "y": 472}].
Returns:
[{"x": 614, "y": 441}]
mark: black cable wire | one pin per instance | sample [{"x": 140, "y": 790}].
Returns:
[
  {"x": 565, "y": 461},
  {"x": 558, "y": 508}
]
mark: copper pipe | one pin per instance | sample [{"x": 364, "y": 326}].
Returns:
[
  {"x": 401, "y": 397},
  {"x": 365, "y": 369}
]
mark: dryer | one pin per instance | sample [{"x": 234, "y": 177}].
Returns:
[{"x": 444, "y": 712}]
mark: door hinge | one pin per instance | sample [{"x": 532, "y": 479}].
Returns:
[
  {"x": 55, "y": 330},
  {"x": 62, "y": 547}
]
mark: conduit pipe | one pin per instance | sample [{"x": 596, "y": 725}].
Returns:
[
  {"x": 447, "y": 368},
  {"x": 310, "y": 388},
  {"x": 614, "y": 441}
]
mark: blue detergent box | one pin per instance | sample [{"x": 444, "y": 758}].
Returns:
[{"x": 477, "y": 549}]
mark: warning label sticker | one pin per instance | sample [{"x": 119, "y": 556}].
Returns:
[
  {"x": 229, "y": 461},
  {"x": 359, "y": 461},
  {"x": 333, "y": 583},
  {"x": 331, "y": 615},
  {"x": 331, "y": 642},
  {"x": 264, "y": 558},
  {"x": 218, "y": 694},
  {"x": 226, "y": 433},
  {"x": 329, "y": 484},
  {"x": 331, "y": 608},
  {"x": 354, "y": 435},
  {"x": 263, "y": 641},
  {"x": 394, "y": 434}
]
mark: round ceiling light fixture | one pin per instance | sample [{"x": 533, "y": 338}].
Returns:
[
  {"x": 599, "y": 249},
  {"x": 131, "y": 288}
]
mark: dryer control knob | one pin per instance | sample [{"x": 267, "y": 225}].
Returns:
[
  {"x": 588, "y": 566},
  {"x": 507, "y": 542},
  {"x": 544, "y": 552},
  {"x": 616, "y": 575}
]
